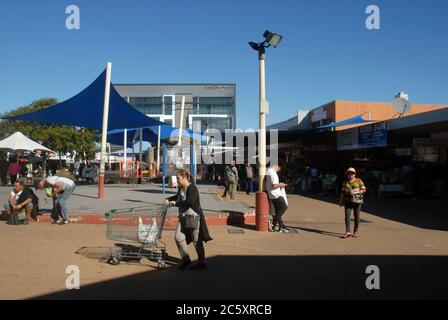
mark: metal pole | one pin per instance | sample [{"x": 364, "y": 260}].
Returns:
[
  {"x": 193, "y": 161},
  {"x": 262, "y": 131},
  {"x": 181, "y": 120},
  {"x": 163, "y": 168},
  {"x": 158, "y": 152},
  {"x": 140, "y": 156},
  {"x": 125, "y": 155},
  {"x": 104, "y": 131}
]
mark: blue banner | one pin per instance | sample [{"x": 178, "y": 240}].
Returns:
[{"x": 374, "y": 135}]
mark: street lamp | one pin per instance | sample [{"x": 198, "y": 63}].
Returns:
[{"x": 271, "y": 40}]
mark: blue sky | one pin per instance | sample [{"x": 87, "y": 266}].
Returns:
[{"x": 327, "y": 52}]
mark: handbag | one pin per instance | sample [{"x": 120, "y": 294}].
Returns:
[
  {"x": 191, "y": 219},
  {"x": 357, "y": 198}
]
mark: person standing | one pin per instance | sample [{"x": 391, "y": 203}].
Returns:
[
  {"x": 353, "y": 190},
  {"x": 13, "y": 169},
  {"x": 62, "y": 190},
  {"x": 4, "y": 164},
  {"x": 187, "y": 199},
  {"x": 249, "y": 179},
  {"x": 231, "y": 176},
  {"x": 277, "y": 195}
]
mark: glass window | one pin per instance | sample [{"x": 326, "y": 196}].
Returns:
[
  {"x": 168, "y": 105},
  {"x": 213, "y": 105},
  {"x": 147, "y": 105},
  {"x": 214, "y": 123}
]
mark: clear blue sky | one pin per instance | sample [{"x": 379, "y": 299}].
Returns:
[{"x": 327, "y": 52}]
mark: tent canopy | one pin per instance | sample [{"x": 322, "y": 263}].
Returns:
[
  {"x": 135, "y": 150},
  {"x": 19, "y": 142},
  {"x": 346, "y": 122},
  {"x": 86, "y": 110},
  {"x": 116, "y": 136}
]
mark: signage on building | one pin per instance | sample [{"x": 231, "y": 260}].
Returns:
[
  {"x": 373, "y": 135},
  {"x": 220, "y": 87},
  {"x": 370, "y": 136}
]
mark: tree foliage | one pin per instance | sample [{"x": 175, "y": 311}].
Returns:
[{"x": 65, "y": 139}]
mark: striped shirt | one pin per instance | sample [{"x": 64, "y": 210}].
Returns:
[{"x": 351, "y": 187}]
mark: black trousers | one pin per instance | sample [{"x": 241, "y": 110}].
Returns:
[
  {"x": 280, "y": 208},
  {"x": 356, "y": 207}
]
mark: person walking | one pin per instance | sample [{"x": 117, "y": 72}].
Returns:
[
  {"x": 249, "y": 179},
  {"x": 277, "y": 195},
  {"x": 187, "y": 199},
  {"x": 231, "y": 176},
  {"x": 352, "y": 193},
  {"x": 13, "y": 170},
  {"x": 62, "y": 190}
]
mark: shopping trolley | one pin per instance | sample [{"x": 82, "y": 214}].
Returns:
[{"x": 142, "y": 225}]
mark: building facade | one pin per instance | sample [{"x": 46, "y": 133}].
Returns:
[
  {"x": 337, "y": 110},
  {"x": 206, "y": 105}
]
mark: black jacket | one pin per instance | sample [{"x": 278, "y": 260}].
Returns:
[
  {"x": 28, "y": 193},
  {"x": 192, "y": 201}
]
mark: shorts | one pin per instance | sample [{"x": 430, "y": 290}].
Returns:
[{"x": 29, "y": 204}]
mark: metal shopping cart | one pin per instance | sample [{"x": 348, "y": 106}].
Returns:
[{"x": 142, "y": 225}]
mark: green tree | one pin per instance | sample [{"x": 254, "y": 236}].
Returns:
[{"x": 64, "y": 139}]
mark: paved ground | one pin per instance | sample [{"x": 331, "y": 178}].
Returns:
[
  {"x": 117, "y": 196},
  {"x": 411, "y": 253}
]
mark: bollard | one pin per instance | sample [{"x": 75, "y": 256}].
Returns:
[{"x": 261, "y": 211}]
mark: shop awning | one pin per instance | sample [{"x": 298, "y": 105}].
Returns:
[
  {"x": 355, "y": 120},
  {"x": 86, "y": 110}
]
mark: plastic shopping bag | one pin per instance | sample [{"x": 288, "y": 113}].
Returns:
[{"x": 147, "y": 233}]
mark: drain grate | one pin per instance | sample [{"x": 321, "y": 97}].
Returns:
[{"x": 235, "y": 231}]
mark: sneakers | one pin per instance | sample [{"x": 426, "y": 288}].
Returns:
[
  {"x": 198, "y": 265},
  {"x": 270, "y": 226},
  {"x": 185, "y": 263},
  {"x": 284, "y": 230},
  {"x": 61, "y": 222}
]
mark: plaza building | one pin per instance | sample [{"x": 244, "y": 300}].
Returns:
[{"x": 206, "y": 105}]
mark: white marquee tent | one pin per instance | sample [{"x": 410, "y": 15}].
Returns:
[{"x": 19, "y": 142}]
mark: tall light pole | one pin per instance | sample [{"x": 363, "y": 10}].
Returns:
[
  {"x": 262, "y": 205},
  {"x": 272, "y": 39},
  {"x": 104, "y": 131}
]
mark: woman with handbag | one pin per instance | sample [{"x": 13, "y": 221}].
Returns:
[
  {"x": 352, "y": 194},
  {"x": 192, "y": 226}
]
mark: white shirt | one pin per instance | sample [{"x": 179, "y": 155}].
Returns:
[
  {"x": 15, "y": 194},
  {"x": 274, "y": 193},
  {"x": 66, "y": 183}
]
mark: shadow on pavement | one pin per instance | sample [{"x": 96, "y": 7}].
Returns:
[
  {"x": 279, "y": 277},
  {"x": 421, "y": 213},
  {"x": 154, "y": 191}
]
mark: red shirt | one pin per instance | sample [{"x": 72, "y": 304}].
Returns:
[{"x": 14, "y": 168}]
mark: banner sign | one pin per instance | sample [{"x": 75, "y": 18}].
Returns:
[{"x": 369, "y": 136}]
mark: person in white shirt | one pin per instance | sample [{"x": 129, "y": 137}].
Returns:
[
  {"x": 277, "y": 195},
  {"x": 63, "y": 189}
]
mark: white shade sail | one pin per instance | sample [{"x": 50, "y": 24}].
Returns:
[{"x": 19, "y": 142}]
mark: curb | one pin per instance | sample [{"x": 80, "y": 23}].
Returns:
[{"x": 212, "y": 219}]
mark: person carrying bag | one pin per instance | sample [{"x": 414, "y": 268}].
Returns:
[
  {"x": 192, "y": 226},
  {"x": 352, "y": 197}
]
